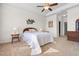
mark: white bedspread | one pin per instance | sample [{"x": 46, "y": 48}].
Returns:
[{"x": 36, "y": 39}]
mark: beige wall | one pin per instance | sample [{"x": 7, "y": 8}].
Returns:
[
  {"x": 72, "y": 15},
  {"x": 53, "y": 29},
  {"x": 15, "y": 18}
]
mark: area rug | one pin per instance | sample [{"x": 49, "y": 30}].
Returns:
[{"x": 51, "y": 50}]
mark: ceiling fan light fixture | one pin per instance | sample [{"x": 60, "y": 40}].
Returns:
[{"x": 46, "y": 7}]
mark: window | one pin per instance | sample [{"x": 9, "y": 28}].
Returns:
[{"x": 77, "y": 25}]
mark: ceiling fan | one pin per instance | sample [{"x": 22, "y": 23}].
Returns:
[{"x": 48, "y": 6}]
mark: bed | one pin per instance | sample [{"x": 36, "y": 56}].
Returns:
[{"x": 35, "y": 39}]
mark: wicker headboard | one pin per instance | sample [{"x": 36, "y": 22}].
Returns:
[{"x": 27, "y": 29}]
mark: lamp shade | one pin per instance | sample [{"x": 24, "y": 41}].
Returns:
[{"x": 14, "y": 30}]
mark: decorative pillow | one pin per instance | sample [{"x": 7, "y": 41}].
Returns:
[{"x": 32, "y": 30}]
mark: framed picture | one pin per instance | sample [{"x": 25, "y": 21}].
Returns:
[{"x": 50, "y": 24}]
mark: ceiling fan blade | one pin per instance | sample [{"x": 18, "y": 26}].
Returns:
[
  {"x": 40, "y": 6},
  {"x": 50, "y": 9},
  {"x": 42, "y": 10},
  {"x": 53, "y": 4}
]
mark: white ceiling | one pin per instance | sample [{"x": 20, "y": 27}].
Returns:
[{"x": 32, "y": 7}]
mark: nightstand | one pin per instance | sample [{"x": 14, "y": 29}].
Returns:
[{"x": 14, "y": 37}]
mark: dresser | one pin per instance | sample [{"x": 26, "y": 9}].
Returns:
[{"x": 73, "y": 35}]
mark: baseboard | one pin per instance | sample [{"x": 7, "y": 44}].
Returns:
[{"x": 4, "y": 41}]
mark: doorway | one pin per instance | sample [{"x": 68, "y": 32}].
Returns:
[
  {"x": 59, "y": 28},
  {"x": 65, "y": 28},
  {"x": 62, "y": 28}
]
